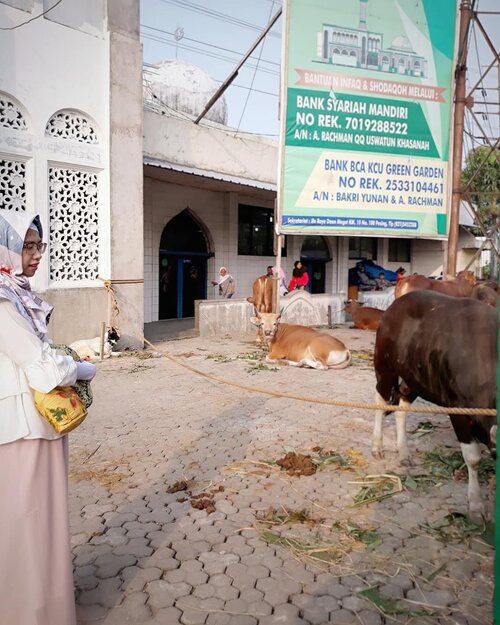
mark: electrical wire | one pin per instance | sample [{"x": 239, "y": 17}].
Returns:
[
  {"x": 483, "y": 93},
  {"x": 225, "y": 17},
  {"x": 157, "y": 105},
  {"x": 205, "y": 43},
  {"x": 205, "y": 53},
  {"x": 254, "y": 74},
  {"x": 147, "y": 66},
  {"x": 33, "y": 18}
]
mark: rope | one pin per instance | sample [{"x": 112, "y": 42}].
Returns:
[
  {"x": 115, "y": 309},
  {"x": 329, "y": 402}
]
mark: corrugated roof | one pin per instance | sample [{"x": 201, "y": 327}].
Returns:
[{"x": 205, "y": 173}]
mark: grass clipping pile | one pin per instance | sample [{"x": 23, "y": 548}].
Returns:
[
  {"x": 114, "y": 474},
  {"x": 311, "y": 535},
  {"x": 372, "y": 488}
]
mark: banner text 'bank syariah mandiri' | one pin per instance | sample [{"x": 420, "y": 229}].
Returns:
[{"x": 366, "y": 117}]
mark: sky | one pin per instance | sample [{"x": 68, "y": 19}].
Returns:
[{"x": 216, "y": 34}]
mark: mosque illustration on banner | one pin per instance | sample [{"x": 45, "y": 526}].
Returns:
[{"x": 361, "y": 48}]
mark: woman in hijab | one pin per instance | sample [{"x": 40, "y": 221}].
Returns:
[
  {"x": 36, "y": 584},
  {"x": 300, "y": 279},
  {"x": 226, "y": 283},
  {"x": 281, "y": 280}
]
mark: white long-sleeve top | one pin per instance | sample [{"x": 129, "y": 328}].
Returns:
[{"x": 26, "y": 363}]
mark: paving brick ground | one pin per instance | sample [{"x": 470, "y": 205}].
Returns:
[{"x": 144, "y": 556}]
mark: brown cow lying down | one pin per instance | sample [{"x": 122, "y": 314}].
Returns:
[
  {"x": 363, "y": 317},
  {"x": 300, "y": 346},
  {"x": 461, "y": 286},
  {"x": 444, "y": 350}
]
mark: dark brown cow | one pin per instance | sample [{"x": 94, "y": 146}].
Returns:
[
  {"x": 461, "y": 286},
  {"x": 301, "y": 346},
  {"x": 443, "y": 349},
  {"x": 363, "y": 317},
  {"x": 485, "y": 294}
]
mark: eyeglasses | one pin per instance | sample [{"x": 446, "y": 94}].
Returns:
[{"x": 32, "y": 247}]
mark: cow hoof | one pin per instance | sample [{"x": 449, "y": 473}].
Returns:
[
  {"x": 477, "y": 514},
  {"x": 406, "y": 462},
  {"x": 377, "y": 453}
]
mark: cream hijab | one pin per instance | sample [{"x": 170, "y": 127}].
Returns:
[
  {"x": 222, "y": 279},
  {"x": 14, "y": 286}
]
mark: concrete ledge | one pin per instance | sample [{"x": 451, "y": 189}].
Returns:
[
  {"x": 312, "y": 310},
  {"x": 218, "y": 317},
  {"x": 78, "y": 313},
  {"x": 224, "y": 316}
]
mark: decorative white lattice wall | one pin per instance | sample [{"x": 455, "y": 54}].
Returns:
[
  {"x": 74, "y": 219},
  {"x": 10, "y": 115},
  {"x": 71, "y": 125},
  {"x": 12, "y": 184}
]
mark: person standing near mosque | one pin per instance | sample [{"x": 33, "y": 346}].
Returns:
[
  {"x": 300, "y": 278},
  {"x": 36, "y": 575},
  {"x": 226, "y": 284}
]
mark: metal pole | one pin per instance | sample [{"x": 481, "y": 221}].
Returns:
[
  {"x": 458, "y": 130},
  {"x": 494, "y": 265},
  {"x": 278, "y": 240},
  {"x": 103, "y": 332},
  {"x": 233, "y": 75}
]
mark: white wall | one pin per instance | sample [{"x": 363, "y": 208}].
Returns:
[
  {"x": 210, "y": 147},
  {"x": 218, "y": 212},
  {"x": 52, "y": 67},
  {"x": 83, "y": 57}
]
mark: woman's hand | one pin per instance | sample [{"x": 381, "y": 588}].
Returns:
[{"x": 85, "y": 371}]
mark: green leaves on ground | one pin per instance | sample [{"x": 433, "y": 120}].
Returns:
[
  {"x": 457, "y": 526},
  {"x": 369, "y": 537},
  {"x": 325, "y": 552},
  {"x": 376, "y": 487},
  {"x": 452, "y": 466},
  {"x": 388, "y": 606}
]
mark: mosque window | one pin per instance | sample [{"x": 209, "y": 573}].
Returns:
[
  {"x": 363, "y": 247},
  {"x": 399, "y": 250},
  {"x": 12, "y": 184},
  {"x": 256, "y": 231},
  {"x": 71, "y": 125},
  {"x": 74, "y": 224},
  {"x": 10, "y": 115}
]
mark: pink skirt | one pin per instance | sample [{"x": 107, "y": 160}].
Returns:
[{"x": 36, "y": 576}]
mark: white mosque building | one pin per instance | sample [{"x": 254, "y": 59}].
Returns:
[{"x": 140, "y": 205}]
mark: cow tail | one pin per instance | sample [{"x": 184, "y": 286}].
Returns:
[
  {"x": 394, "y": 397},
  {"x": 346, "y": 363}
]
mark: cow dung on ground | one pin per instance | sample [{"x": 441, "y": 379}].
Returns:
[{"x": 297, "y": 464}]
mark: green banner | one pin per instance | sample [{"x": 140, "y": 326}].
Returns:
[{"x": 366, "y": 117}]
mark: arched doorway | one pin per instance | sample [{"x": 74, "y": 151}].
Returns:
[
  {"x": 183, "y": 266},
  {"x": 314, "y": 255}
]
